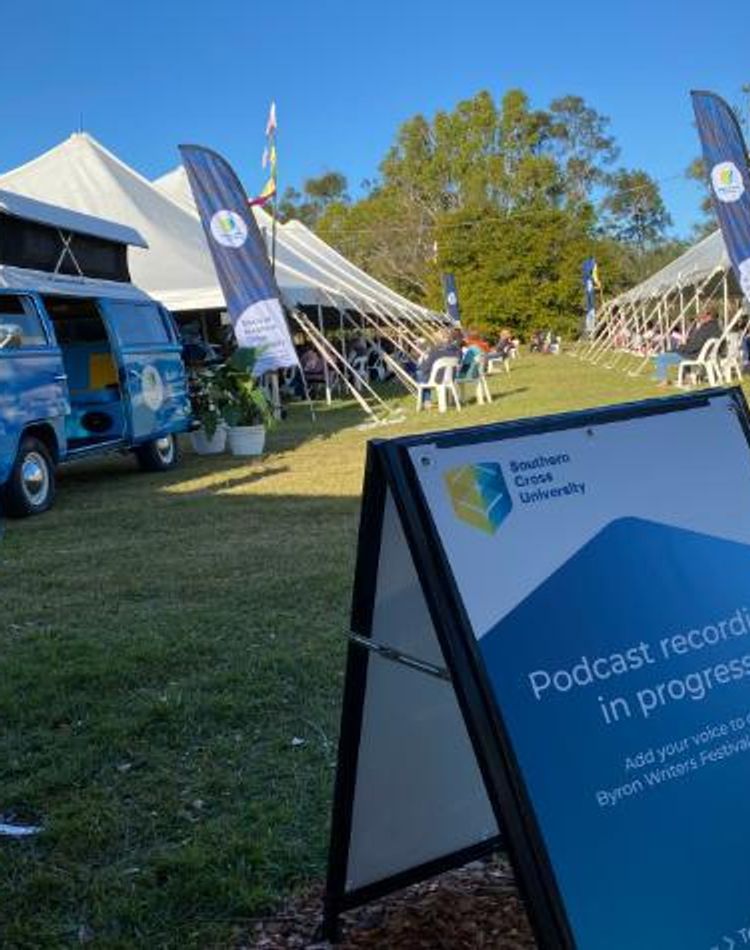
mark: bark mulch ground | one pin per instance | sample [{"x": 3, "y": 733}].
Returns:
[{"x": 474, "y": 908}]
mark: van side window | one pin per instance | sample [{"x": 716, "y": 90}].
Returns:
[
  {"x": 137, "y": 323},
  {"x": 20, "y": 324}
]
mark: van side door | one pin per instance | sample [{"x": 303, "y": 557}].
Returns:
[
  {"x": 33, "y": 386},
  {"x": 152, "y": 373}
]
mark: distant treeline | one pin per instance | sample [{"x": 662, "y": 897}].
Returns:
[{"x": 509, "y": 198}]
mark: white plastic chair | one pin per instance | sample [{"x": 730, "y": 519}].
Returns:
[
  {"x": 477, "y": 378},
  {"x": 731, "y": 361},
  {"x": 442, "y": 380},
  {"x": 706, "y": 363},
  {"x": 496, "y": 363}
]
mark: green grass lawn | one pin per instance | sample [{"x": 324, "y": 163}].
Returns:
[{"x": 165, "y": 640}]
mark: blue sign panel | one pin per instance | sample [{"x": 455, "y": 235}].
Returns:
[{"x": 607, "y": 608}]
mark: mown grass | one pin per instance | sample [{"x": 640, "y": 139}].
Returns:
[{"x": 166, "y": 642}]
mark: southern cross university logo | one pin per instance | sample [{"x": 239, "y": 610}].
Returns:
[
  {"x": 479, "y": 495},
  {"x": 228, "y": 228},
  {"x": 727, "y": 181}
]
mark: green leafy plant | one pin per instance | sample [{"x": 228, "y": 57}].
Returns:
[
  {"x": 241, "y": 399},
  {"x": 205, "y": 398}
]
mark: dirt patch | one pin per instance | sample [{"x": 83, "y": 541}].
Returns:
[{"x": 474, "y": 908}]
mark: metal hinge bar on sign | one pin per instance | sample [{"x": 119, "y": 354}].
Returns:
[{"x": 397, "y": 656}]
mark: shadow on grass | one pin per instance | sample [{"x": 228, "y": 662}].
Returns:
[
  {"x": 504, "y": 393},
  {"x": 170, "y": 707},
  {"x": 300, "y": 427},
  {"x": 218, "y": 482}
]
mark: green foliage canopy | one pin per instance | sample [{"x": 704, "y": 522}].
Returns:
[{"x": 510, "y": 198}]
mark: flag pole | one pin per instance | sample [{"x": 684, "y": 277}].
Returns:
[{"x": 275, "y": 199}]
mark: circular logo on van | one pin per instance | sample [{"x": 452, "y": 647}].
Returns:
[
  {"x": 228, "y": 228},
  {"x": 727, "y": 181},
  {"x": 745, "y": 277},
  {"x": 152, "y": 387}
]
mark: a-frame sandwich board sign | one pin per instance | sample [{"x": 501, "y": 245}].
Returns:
[{"x": 551, "y": 635}]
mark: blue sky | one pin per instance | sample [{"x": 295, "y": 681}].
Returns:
[{"x": 148, "y": 75}]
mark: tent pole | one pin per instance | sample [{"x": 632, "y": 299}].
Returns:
[
  {"x": 306, "y": 390},
  {"x": 726, "y": 299},
  {"x": 330, "y": 352},
  {"x": 342, "y": 340},
  {"x": 682, "y": 301},
  {"x": 327, "y": 351},
  {"x": 326, "y": 378}
]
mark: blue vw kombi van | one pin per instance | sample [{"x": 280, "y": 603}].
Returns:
[{"x": 88, "y": 363}]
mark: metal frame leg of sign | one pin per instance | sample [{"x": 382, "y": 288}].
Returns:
[
  {"x": 410, "y": 801},
  {"x": 425, "y": 724}
]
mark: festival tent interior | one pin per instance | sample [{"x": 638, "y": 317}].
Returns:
[{"x": 317, "y": 285}]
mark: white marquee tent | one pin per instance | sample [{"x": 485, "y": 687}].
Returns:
[
  {"x": 82, "y": 175},
  {"x": 644, "y": 320},
  {"x": 690, "y": 268},
  {"x": 298, "y": 248}
]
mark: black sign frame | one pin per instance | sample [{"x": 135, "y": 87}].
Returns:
[{"x": 390, "y": 469}]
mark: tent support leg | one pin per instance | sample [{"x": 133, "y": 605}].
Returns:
[
  {"x": 726, "y": 299},
  {"x": 342, "y": 338},
  {"x": 326, "y": 377}
]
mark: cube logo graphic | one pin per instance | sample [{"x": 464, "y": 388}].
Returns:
[{"x": 479, "y": 495}]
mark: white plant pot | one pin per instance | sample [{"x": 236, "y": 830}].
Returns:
[
  {"x": 205, "y": 446},
  {"x": 247, "y": 440}
]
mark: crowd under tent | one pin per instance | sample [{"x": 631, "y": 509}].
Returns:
[{"x": 647, "y": 318}]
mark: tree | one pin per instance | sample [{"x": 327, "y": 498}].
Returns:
[
  {"x": 502, "y": 194},
  {"x": 634, "y": 209},
  {"x": 583, "y": 146},
  {"x": 524, "y": 270},
  {"x": 696, "y": 171},
  {"x": 318, "y": 195},
  {"x": 327, "y": 189},
  {"x": 386, "y": 235}
]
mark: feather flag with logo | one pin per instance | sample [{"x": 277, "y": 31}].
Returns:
[
  {"x": 726, "y": 160},
  {"x": 240, "y": 258},
  {"x": 450, "y": 292},
  {"x": 591, "y": 284}
]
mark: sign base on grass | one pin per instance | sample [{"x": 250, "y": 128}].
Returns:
[{"x": 551, "y": 635}]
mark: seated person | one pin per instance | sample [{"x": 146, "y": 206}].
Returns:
[
  {"x": 706, "y": 327},
  {"x": 312, "y": 365},
  {"x": 503, "y": 347},
  {"x": 473, "y": 338},
  {"x": 537, "y": 342},
  {"x": 447, "y": 345}
]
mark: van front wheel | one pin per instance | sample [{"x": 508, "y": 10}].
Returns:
[
  {"x": 160, "y": 455},
  {"x": 31, "y": 488}
]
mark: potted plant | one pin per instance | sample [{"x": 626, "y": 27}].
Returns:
[
  {"x": 244, "y": 405},
  {"x": 205, "y": 401}
]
